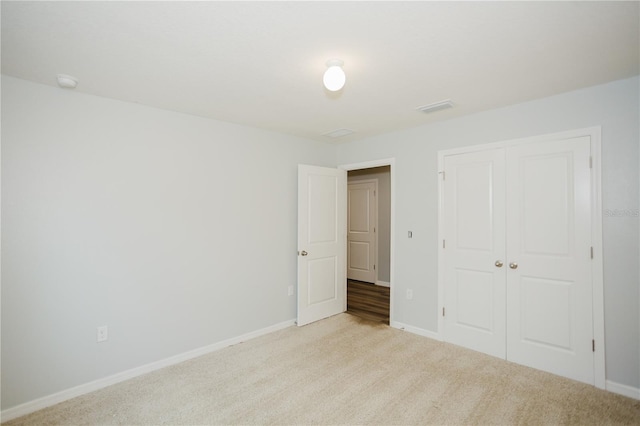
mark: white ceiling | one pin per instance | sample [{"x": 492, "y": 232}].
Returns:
[{"x": 261, "y": 63}]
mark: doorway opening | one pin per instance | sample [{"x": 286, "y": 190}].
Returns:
[
  {"x": 322, "y": 240},
  {"x": 369, "y": 242}
]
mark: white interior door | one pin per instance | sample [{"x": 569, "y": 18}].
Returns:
[
  {"x": 517, "y": 273},
  {"x": 474, "y": 215},
  {"x": 361, "y": 231},
  {"x": 322, "y": 213},
  {"x": 549, "y": 283}
]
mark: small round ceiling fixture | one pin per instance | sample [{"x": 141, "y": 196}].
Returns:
[
  {"x": 67, "y": 81},
  {"x": 334, "y": 77}
]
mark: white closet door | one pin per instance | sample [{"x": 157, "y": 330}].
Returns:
[
  {"x": 474, "y": 215},
  {"x": 548, "y": 267}
]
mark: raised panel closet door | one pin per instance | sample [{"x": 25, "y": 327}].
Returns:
[
  {"x": 475, "y": 245},
  {"x": 549, "y": 283}
]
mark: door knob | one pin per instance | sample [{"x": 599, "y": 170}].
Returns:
[
  {"x": 303, "y": 253},
  {"x": 499, "y": 263},
  {"x": 513, "y": 265}
]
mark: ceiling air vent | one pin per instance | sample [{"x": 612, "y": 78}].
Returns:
[
  {"x": 338, "y": 133},
  {"x": 436, "y": 106}
]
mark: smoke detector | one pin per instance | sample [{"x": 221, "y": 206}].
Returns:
[{"x": 67, "y": 81}]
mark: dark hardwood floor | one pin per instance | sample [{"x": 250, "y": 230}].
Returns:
[{"x": 368, "y": 301}]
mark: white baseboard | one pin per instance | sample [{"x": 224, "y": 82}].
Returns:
[
  {"x": 625, "y": 390},
  {"x": 49, "y": 400},
  {"x": 383, "y": 283},
  {"x": 416, "y": 330}
]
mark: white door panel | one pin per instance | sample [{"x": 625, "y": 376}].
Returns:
[
  {"x": 475, "y": 300},
  {"x": 545, "y": 308},
  {"x": 549, "y": 295},
  {"x": 321, "y": 243},
  {"x": 474, "y": 217},
  {"x": 361, "y": 222},
  {"x": 320, "y": 272},
  {"x": 359, "y": 257}
]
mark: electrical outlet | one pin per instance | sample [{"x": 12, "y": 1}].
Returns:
[
  {"x": 290, "y": 290},
  {"x": 103, "y": 333},
  {"x": 409, "y": 294}
]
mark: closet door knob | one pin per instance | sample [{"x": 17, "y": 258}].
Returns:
[
  {"x": 513, "y": 265},
  {"x": 499, "y": 263},
  {"x": 303, "y": 253}
]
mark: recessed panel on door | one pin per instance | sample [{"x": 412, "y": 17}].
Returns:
[
  {"x": 475, "y": 300},
  {"x": 359, "y": 207},
  {"x": 546, "y": 185},
  {"x": 322, "y": 208},
  {"x": 545, "y": 309},
  {"x": 474, "y": 206},
  {"x": 323, "y": 280},
  {"x": 359, "y": 256}
]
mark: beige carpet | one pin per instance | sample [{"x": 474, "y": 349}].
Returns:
[{"x": 343, "y": 370}]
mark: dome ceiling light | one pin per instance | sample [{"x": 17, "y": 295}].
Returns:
[{"x": 334, "y": 77}]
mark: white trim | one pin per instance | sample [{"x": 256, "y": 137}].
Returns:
[
  {"x": 383, "y": 284},
  {"x": 597, "y": 266},
  {"x": 415, "y": 330},
  {"x": 625, "y": 390},
  {"x": 391, "y": 162},
  {"x": 368, "y": 164},
  {"x": 568, "y": 134},
  {"x": 596, "y": 232},
  {"x": 441, "y": 155},
  {"x": 49, "y": 400}
]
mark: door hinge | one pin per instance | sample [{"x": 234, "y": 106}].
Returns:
[
  {"x": 443, "y": 311},
  {"x": 374, "y": 229},
  {"x": 593, "y": 345},
  {"x": 592, "y": 252},
  {"x": 591, "y": 162},
  {"x": 443, "y": 244},
  {"x": 374, "y": 192},
  {"x": 374, "y": 267}
]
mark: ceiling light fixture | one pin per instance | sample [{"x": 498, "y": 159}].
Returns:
[
  {"x": 67, "y": 81},
  {"x": 334, "y": 77}
]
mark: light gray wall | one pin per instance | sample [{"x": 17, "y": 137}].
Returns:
[
  {"x": 175, "y": 231},
  {"x": 145, "y": 220},
  {"x": 383, "y": 176},
  {"x": 614, "y": 106}
]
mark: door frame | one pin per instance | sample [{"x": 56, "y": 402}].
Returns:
[
  {"x": 375, "y": 224},
  {"x": 391, "y": 162},
  {"x": 596, "y": 232}
]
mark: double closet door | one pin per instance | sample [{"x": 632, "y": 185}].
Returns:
[{"x": 517, "y": 254}]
